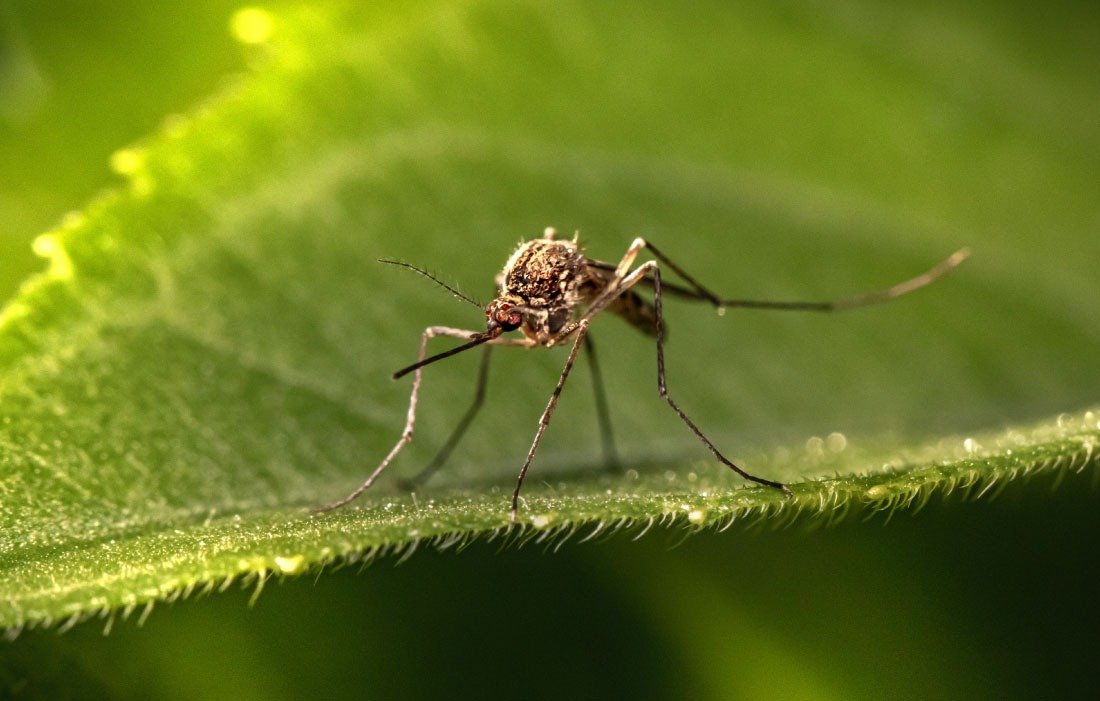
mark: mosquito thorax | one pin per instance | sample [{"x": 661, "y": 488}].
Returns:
[
  {"x": 543, "y": 273},
  {"x": 542, "y": 279}
]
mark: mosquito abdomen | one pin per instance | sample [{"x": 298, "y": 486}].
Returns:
[{"x": 637, "y": 311}]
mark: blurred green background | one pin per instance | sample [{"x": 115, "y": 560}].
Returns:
[{"x": 989, "y": 600}]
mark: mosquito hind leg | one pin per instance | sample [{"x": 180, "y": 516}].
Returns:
[
  {"x": 695, "y": 289},
  {"x": 662, "y": 388},
  {"x": 607, "y": 436}
]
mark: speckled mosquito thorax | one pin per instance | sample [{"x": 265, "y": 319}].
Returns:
[
  {"x": 544, "y": 272},
  {"x": 550, "y": 291},
  {"x": 545, "y": 279}
]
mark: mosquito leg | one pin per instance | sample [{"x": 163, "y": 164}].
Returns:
[
  {"x": 607, "y": 436},
  {"x": 614, "y": 289},
  {"x": 623, "y": 283},
  {"x": 410, "y": 418},
  {"x": 663, "y": 390},
  {"x": 700, "y": 291},
  {"x": 544, "y": 420},
  {"x": 697, "y": 291},
  {"x": 459, "y": 431},
  {"x": 628, "y": 258},
  {"x": 619, "y": 284}
]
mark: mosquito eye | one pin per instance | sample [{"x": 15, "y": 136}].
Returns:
[{"x": 509, "y": 321}]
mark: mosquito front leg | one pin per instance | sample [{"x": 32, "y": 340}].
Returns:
[
  {"x": 460, "y": 430},
  {"x": 410, "y": 417},
  {"x": 544, "y": 420},
  {"x": 662, "y": 388}
]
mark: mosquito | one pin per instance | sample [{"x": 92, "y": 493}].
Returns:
[{"x": 550, "y": 291}]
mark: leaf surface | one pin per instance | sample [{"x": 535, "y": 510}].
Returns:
[{"x": 209, "y": 353}]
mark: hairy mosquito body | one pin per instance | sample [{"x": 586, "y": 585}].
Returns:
[
  {"x": 550, "y": 291},
  {"x": 549, "y": 280}
]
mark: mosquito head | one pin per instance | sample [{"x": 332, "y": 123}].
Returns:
[{"x": 503, "y": 313}]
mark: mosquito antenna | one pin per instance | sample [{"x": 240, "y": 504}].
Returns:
[
  {"x": 434, "y": 279},
  {"x": 473, "y": 343}
]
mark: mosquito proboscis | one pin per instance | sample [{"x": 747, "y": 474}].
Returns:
[{"x": 550, "y": 291}]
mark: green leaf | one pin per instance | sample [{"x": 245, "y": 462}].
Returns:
[{"x": 209, "y": 352}]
